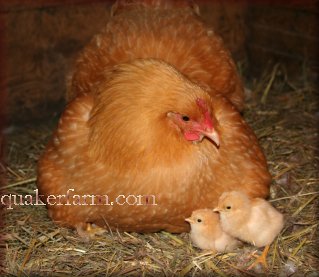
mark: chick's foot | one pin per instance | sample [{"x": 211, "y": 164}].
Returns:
[{"x": 260, "y": 259}]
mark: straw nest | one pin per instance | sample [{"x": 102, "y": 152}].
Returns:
[{"x": 283, "y": 114}]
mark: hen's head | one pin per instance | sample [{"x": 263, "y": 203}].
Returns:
[
  {"x": 147, "y": 106},
  {"x": 195, "y": 127}
]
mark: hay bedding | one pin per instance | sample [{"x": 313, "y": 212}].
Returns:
[{"x": 284, "y": 116}]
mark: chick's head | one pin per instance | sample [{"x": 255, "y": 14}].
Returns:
[
  {"x": 232, "y": 203},
  {"x": 200, "y": 219}
]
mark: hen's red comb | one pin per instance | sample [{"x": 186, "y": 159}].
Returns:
[{"x": 203, "y": 106}]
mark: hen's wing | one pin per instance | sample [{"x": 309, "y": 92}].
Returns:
[{"x": 63, "y": 159}]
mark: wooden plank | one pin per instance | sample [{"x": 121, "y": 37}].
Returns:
[
  {"x": 43, "y": 38},
  {"x": 283, "y": 33},
  {"x": 20, "y": 5}
]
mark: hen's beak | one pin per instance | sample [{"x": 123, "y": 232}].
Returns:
[
  {"x": 190, "y": 220},
  {"x": 213, "y": 135}
]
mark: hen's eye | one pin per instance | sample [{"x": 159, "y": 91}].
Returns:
[
  {"x": 185, "y": 118},
  {"x": 199, "y": 220},
  {"x": 228, "y": 207}
]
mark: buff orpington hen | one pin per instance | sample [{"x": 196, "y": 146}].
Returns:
[{"x": 152, "y": 131}]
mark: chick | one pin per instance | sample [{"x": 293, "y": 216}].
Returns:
[
  {"x": 252, "y": 220},
  {"x": 207, "y": 234}
]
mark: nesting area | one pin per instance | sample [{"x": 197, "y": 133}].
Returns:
[{"x": 284, "y": 116}]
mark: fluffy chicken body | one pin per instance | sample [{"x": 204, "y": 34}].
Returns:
[
  {"x": 207, "y": 234},
  {"x": 251, "y": 220},
  {"x": 144, "y": 128}
]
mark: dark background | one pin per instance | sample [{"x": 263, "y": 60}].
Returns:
[{"x": 40, "y": 39}]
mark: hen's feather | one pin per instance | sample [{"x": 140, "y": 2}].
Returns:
[{"x": 155, "y": 29}]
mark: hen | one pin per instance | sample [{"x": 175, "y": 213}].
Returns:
[{"x": 155, "y": 129}]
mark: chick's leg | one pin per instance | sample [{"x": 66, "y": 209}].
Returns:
[{"x": 260, "y": 259}]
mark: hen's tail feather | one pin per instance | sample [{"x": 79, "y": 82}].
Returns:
[{"x": 125, "y": 5}]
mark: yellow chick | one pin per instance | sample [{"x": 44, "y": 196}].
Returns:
[
  {"x": 207, "y": 234},
  {"x": 251, "y": 220}
]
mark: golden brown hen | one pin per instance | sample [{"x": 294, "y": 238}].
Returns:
[{"x": 141, "y": 146}]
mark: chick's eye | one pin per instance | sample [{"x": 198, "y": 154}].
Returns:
[
  {"x": 199, "y": 220},
  {"x": 228, "y": 207},
  {"x": 185, "y": 118}
]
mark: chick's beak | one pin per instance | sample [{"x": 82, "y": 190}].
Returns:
[
  {"x": 213, "y": 135},
  {"x": 216, "y": 210},
  {"x": 189, "y": 220}
]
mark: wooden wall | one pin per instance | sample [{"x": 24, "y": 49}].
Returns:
[
  {"x": 43, "y": 37},
  {"x": 284, "y": 32},
  {"x": 41, "y": 41}
]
